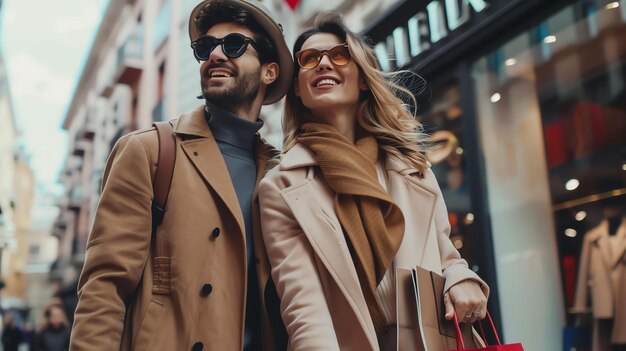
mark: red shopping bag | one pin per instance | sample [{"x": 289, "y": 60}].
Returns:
[{"x": 461, "y": 346}]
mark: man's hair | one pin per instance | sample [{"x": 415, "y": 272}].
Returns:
[{"x": 216, "y": 12}]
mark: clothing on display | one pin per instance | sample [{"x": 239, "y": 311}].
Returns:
[{"x": 602, "y": 280}]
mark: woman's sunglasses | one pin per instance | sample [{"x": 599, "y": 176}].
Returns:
[
  {"x": 310, "y": 58},
  {"x": 233, "y": 45}
]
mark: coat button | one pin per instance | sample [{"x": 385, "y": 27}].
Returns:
[
  {"x": 197, "y": 346},
  {"x": 206, "y": 289},
  {"x": 215, "y": 233}
]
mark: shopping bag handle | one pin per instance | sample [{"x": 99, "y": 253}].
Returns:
[
  {"x": 460, "y": 345},
  {"x": 493, "y": 328}
]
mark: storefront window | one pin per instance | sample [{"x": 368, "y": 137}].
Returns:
[
  {"x": 442, "y": 118},
  {"x": 551, "y": 110}
]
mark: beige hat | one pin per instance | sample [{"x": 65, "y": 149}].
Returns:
[{"x": 262, "y": 15}]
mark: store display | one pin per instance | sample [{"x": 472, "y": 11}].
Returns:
[{"x": 602, "y": 280}]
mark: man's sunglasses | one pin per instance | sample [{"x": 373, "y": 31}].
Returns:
[
  {"x": 310, "y": 58},
  {"x": 233, "y": 45}
]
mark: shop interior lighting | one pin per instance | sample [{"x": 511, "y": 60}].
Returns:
[
  {"x": 459, "y": 150},
  {"x": 580, "y": 215},
  {"x": 549, "y": 39},
  {"x": 510, "y": 62},
  {"x": 612, "y": 5},
  {"x": 458, "y": 243},
  {"x": 571, "y": 233},
  {"x": 572, "y": 184},
  {"x": 624, "y": 167},
  {"x": 495, "y": 97},
  {"x": 469, "y": 218}
]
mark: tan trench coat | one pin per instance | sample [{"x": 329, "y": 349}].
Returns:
[
  {"x": 602, "y": 273},
  {"x": 200, "y": 302},
  {"x": 322, "y": 305}
]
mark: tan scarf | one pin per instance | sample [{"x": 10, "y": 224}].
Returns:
[{"x": 372, "y": 223}]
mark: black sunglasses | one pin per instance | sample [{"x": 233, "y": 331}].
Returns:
[
  {"x": 233, "y": 45},
  {"x": 310, "y": 58}
]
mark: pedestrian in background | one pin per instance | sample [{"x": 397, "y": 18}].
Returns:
[
  {"x": 55, "y": 333},
  {"x": 11, "y": 333}
]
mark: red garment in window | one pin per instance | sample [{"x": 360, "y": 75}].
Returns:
[
  {"x": 556, "y": 147},
  {"x": 569, "y": 277}
]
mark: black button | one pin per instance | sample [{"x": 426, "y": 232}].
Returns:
[
  {"x": 197, "y": 346},
  {"x": 206, "y": 289},
  {"x": 216, "y": 232}
]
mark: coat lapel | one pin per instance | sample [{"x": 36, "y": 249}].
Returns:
[
  {"x": 329, "y": 244},
  {"x": 201, "y": 150},
  {"x": 324, "y": 232},
  {"x": 416, "y": 197}
]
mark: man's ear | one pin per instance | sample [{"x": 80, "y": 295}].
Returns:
[{"x": 270, "y": 73}]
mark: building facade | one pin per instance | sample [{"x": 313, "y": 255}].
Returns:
[{"x": 8, "y": 195}]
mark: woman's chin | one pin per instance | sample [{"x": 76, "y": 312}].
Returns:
[{"x": 329, "y": 103}]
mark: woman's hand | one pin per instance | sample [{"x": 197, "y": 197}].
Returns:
[{"x": 467, "y": 299}]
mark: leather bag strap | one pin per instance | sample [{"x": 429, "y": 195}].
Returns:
[{"x": 164, "y": 172}]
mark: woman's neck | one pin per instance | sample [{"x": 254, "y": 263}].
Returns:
[{"x": 342, "y": 120}]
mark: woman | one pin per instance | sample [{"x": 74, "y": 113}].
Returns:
[{"x": 352, "y": 200}]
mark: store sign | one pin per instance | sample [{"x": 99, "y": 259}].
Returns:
[{"x": 435, "y": 22}]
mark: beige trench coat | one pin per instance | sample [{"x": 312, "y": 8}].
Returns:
[
  {"x": 322, "y": 305},
  {"x": 200, "y": 300},
  {"x": 602, "y": 273}
]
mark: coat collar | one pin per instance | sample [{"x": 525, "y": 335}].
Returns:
[
  {"x": 193, "y": 123},
  {"x": 611, "y": 255},
  {"x": 297, "y": 157},
  {"x": 301, "y": 156}
]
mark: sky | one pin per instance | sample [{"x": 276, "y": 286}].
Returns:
[{"x": 45, "y": 45}]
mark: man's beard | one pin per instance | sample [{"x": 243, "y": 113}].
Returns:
[{"x": 240, "y": 94}]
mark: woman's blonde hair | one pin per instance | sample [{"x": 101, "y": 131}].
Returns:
[{"x": 381, "y": 111}]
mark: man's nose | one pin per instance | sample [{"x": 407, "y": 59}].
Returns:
[{"x": 217, "y": 55}]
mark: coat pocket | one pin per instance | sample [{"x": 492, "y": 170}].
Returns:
[{"x": 148, "y": 325}]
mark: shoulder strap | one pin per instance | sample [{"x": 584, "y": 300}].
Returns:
[{"x": 164, "y": 171}]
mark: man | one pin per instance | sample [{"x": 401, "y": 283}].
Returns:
[{"x": 202, "y": 283}]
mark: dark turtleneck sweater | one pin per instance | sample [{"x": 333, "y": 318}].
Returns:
[{"x": 235, "y": 138}]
